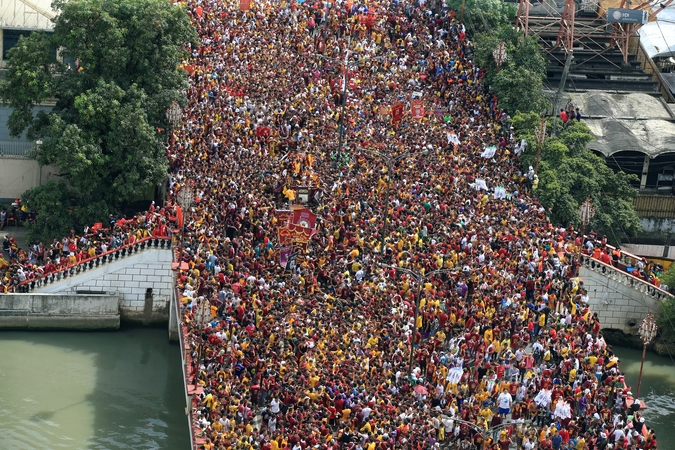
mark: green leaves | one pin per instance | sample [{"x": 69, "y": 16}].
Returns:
[
  {"x": 518, "y": 82},
  {"x": 104, "y": 132},
  {"x": 569, "y": 173}
]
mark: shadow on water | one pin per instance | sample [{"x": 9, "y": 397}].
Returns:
[
  {"x": 137, "y": 400},
  {"x": 48, "y": 415}
]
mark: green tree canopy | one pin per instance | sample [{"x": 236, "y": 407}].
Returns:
[
  {"x": 518, "y": 82},
  {"x": 484, "y": 15},
  {"x": 106, "y": 132},
  {"x": 569, "y": 173}
]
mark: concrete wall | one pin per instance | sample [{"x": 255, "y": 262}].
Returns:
[
  {"x": 658, "y": 224},
  {"x": 131, "y": 278},
  {"x": 620, "y": 300},
  {"x": 17, "y": 175},
  {"x": 40, "y": 311},
  {"x": 649, "y": 250}
]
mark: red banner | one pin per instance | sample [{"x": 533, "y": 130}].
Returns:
[
  {"x": 295, "y": 234},
  {"x": 417, "y": 109},
  {"x": 283, "y": 216},
  {"x": 304, "y": 217},
  {"x": 397, "y": 112},
  {"x": 244, "y": 5}
]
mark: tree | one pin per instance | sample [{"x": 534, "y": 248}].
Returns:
[
  {"x": 485, "y": 15},
  {"x": 518, "y": 82},
  {"x": 108, "y": 128},
  {"x": 665, "y": 319},
  {"x": 569, "y": 173}
]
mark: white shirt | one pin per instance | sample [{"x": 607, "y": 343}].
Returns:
[{"x": 505, "y": 400}]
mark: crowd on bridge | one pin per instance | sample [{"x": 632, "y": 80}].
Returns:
[{"x": 506, "y": 352}]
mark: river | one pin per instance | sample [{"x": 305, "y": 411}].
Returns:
[
  {"x": 657, "y": 390},
  {"x": 93, "y": 390}
]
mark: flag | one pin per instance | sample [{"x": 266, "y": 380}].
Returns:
[
  {"x": 244, "y": 5},
  {"x": 303, "y": 217},
  {"x": 480, "y": 184},
  {"x": 284, "y": 254},
  {"x": 417, "y": 109},
  {"x": 440, "y": 111},
  {"x": 397, "y": 112},
  {"x": 452, "y": 138},
  {"x": 489, "y": 152}
]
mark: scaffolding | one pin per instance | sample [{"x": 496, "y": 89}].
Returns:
[{"x": 569, "y": 24}]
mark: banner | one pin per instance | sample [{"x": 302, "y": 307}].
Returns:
[
  {"x": 440, "y": 111},
  {"x": 417, "y": 109},
  {"x": 290, "y": 264},
  {"x": 397, "y": 112},
  {"x": 295, "y": 234},
  {"x": 303, "y": 217},
  {"x": 283, "y": 215},
  {"x": 244, "y": 5},
  {"x": 452, "y": 138},
  {"x": 489, "y": 152},
  {"x": 284, "y": 254}
]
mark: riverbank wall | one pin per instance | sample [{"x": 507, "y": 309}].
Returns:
[{"x": 59, "y": 312}]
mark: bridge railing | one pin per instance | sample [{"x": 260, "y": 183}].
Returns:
[
  {"x": 624, "y": 278},
  {"x": 29, "y": 285}
]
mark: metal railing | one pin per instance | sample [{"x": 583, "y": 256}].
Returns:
[
  {"x": 17, "y": 147},
  {"x": 184, "y": 361},
  {"x": 161, "y": 242},
  {"x": 635, "y": 47},
  {"x": 624, "y": 278}
]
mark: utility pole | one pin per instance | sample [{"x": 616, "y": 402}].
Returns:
[
  {"x": 563, "y": 80},
  {"x": 540, "y": 134}
]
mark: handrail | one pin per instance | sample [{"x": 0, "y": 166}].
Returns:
[
  {"x": 650, "y": 68},
  {"x": 624, "y": 278},
  {"x": 93, "y": 262},
  {"x": 184, "y": 363}
]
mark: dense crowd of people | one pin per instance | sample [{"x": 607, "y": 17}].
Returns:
[{"x": 504, "y": 353}]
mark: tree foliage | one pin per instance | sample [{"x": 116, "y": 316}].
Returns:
[
  {"x": 485, "y": 15},
  {"x": 518, "y": 82},
  {"x": 106, "y": 132},
  {"x": 666, "y": 318},
  {"x": 569, "y": 173}
]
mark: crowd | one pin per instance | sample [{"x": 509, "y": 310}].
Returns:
[
  {"x": 506, "y": 352},
  {"x": 19, "y": 265}
]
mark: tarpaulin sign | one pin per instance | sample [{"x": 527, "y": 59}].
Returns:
[
  {"x": 284, "y": 254},
  {"x": 304, "y": 217},
  {"x": 417, "y": 109},
  {"x": 397, "y": 112}
]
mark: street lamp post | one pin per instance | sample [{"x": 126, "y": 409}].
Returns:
[
  {"x": 201, "y": 319},
  {"x": 540, "y": 135},
  {"x": 647, "y": 333},
  {"x": 343, "y": 101},
  {"x": 390, "y": 160},
  {"x": 420, "y": 279},
  {"x": 480, "y": 430},
  {"x": 185, "y": 197}
]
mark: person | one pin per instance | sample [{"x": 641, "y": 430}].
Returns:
[
  {"x": 577, "y": 114},
  {"x": 563, "y": 116},
  {"x": 504, "y": 400}
]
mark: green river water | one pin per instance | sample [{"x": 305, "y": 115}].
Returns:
[
  {"x": 657, "y": 390},
  {"x": 93, "y": 390},
  {"x": 122, "y": 390}
]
